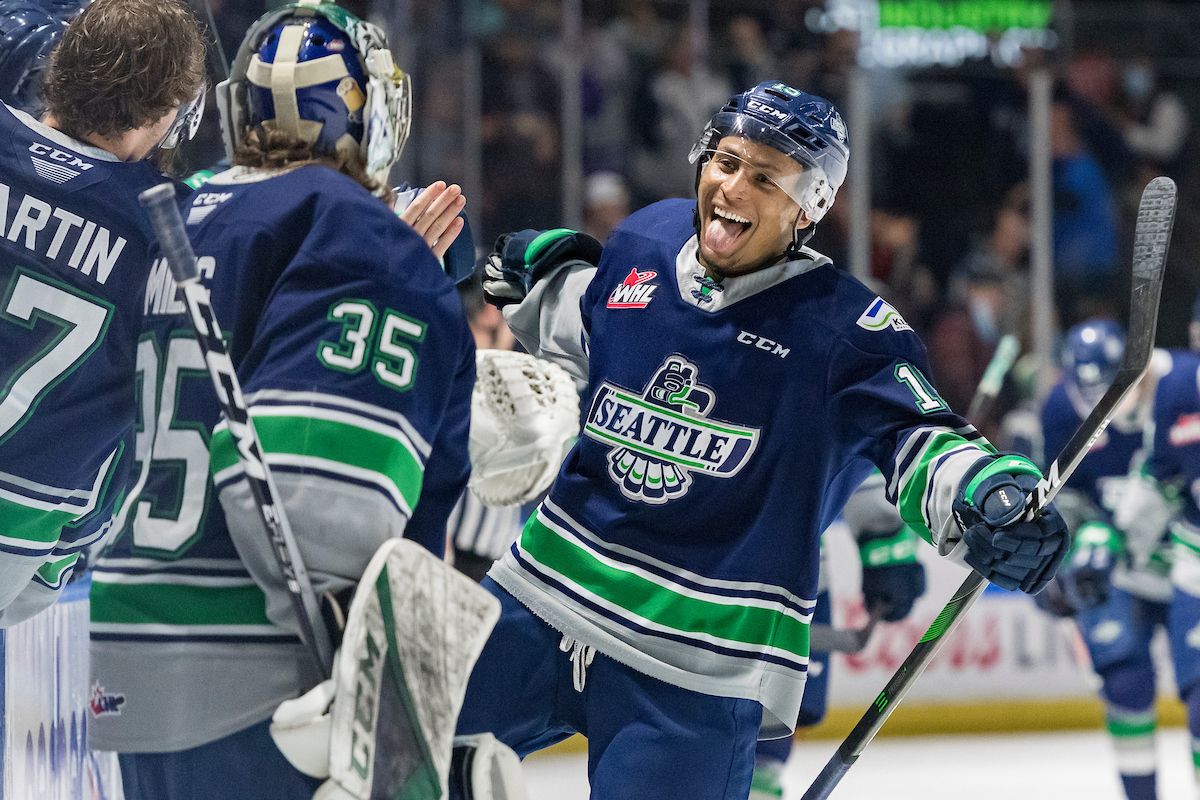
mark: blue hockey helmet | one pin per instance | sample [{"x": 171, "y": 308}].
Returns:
[
  {"x": 804, "y": 127},
  {"x": 28, "y": 33},
  {"x": 319, "y": 73},
  {"x": 1091, "y": 357}
]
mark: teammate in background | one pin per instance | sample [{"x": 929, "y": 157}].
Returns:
[
  {"x": 1160, "y": 504},
  {"x": 738, "y": 388},
  {"x": 1117, "y": 602},
  {"x": 29, "y": 32},
  {"x": 354, "y": 352},
  {"x": 892, "y": 580},
  {"x": 124, "y": 82}
]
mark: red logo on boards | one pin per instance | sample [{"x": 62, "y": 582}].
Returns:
[{"x": 634, "y": 291}]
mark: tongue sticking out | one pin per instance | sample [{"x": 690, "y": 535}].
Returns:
[{"x": 721, "y": 234}]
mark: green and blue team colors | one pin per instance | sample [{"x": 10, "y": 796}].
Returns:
[
  {"x": 721, "y": 433},
  {"x": 357, "y": 363},
  {"x": 73, "y": 263}
]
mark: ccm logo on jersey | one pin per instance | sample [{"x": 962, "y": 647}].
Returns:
[
  {"x": 1186, "y": 430},
  {"x": 764, "y": 344},
  {"x": 56, "y": 165},
  {"x": 634, "y": 291}
]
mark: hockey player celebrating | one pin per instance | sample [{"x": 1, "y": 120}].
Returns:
[
  {"x": 738, "y": 388},
  {"x": 125, "y": 81},
  {"x": 1117, "y": 602},
  {"x": 356, "y": 360}
]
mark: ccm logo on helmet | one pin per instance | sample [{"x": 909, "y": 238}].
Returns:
[{"x": 763, "y": 108}]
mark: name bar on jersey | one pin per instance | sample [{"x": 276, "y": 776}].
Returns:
[
  {"x": 79, "y": 243},
  {"x": 620, "y": 418}
]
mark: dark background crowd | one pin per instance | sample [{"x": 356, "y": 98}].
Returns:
[{"x": 950, "y": 198}]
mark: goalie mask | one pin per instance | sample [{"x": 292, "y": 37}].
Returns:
[{"x": 319, "y": 73}]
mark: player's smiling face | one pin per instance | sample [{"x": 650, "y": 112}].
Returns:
[{"x": 746, "y": 219}]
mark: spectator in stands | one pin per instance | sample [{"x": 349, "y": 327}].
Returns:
[
  {"x": 606, "y": 203},
  {"x": 677, "y": 101},
  {"x": 1085, "y": 222}
]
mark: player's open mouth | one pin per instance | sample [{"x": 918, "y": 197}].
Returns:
[{"x": 722, "y": 231}]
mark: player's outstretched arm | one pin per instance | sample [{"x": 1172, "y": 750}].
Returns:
[
  {"x": 538, "y": 279},
  {"x": 1002, "y": 547}
]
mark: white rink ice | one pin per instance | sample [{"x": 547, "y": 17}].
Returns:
[{"x": 1075, "y": 765}]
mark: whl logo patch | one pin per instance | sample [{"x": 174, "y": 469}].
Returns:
[
  {"x": 634, "y": 291},
  {"x": 880, "y": 315},
  {"x": 103, "y": 703},
  {"x": 662, "y": 435}
]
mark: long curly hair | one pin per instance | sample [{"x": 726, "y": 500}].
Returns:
[{"x": 272, "y": 149}]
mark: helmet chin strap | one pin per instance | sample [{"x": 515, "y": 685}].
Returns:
[{"x": 800, "y": 237}]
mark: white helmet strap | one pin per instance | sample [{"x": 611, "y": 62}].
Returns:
[{"x": 283, "y": 80}]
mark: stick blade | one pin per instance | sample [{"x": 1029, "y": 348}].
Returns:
[{"x": 1152, "y": 236}]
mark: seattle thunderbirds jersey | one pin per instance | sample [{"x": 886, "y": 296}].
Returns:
[
  {"x": 73, "y": 268},
  {"x": 1175, "y": 459},
  {"x": 722, "y": 430},
  {"x": 1101, "y": 478},
  {"x": 357, "y": 363}
]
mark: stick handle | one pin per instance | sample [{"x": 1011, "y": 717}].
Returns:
[{"x": 159, "y": 202}]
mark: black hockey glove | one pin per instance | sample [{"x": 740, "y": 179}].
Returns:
[
  {"x": 892, "y": 578},
  {"x": 1088, "y": 567},
  {"x": 519, "y": 260},
  {"x": 1008, "y": 552}
]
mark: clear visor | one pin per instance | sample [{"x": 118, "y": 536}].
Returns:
[
  {"x": 723, "y": 145},
  {"x": 187, "y": 120}
]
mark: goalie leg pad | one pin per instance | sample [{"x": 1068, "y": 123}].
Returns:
[
  {"x": 484, "y": 768},
  {"x": 415, "y": 629}
]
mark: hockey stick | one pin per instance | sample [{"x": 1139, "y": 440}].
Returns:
[
  {"x": 826, "y": 638},
  {"x": 1156, "y": 214},
  {"x": 159, "y": 202}
]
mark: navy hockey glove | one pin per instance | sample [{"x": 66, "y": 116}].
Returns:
[
  {"x": 1087, "y": 570},
  {"x": 519, "y": 260},
  {"x": 892, "y": 578},
  {"x": 1008, "y": 552}
]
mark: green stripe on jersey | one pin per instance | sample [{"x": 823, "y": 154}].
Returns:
[
  {"x": 330, "y": 440},
  {"x": 176, "y": 604},
  {"x": 646, "y": 596},
  {"x": 911, "y": 498},
  {"x": 34, "y": 525}
]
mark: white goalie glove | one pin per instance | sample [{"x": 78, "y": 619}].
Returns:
[{"x": 524, "y": 414}]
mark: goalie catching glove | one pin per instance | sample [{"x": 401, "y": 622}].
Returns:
[
  {"x": 519, "y": 260},
  {"x": 524, "y": 414},
  {"x": 1009, "y": 552}
]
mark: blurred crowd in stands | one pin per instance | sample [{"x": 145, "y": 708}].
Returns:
[{"x": 950, "y": 199}]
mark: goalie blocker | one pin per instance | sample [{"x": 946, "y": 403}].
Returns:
[{"x": 383, "y": 726}]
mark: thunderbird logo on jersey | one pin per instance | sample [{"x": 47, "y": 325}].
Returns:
[
  {"x": 663, "y": 435},
  {"x": 634, "y": 291}
]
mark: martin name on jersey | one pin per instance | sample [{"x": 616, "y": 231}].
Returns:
[
  {"x": 73, "y": 264},
  {"x": 723, "y": 429}
]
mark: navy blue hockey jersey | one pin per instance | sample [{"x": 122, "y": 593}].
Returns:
[
  {"x": 1105, "y": 466},
  {"x": 722, "y": 430},
  {"x": 357, "y": 363},
  {"x": 73, "y": 267}
]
